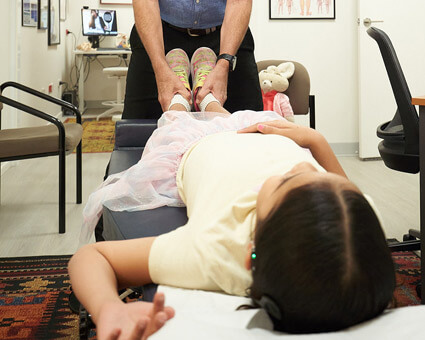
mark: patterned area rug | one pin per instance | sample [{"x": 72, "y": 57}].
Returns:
[
  {"x": 34, "y": 299},
  {"x": 408, "y": 269},
  {"x": 34, "y": 295},
  {"x": 98, "y": 136}
]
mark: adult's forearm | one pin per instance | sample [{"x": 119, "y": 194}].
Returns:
[
  {"x": 233, "y": 30},
  {"x": 148, "y": 24},
  {"x": 235, "y": 25}
]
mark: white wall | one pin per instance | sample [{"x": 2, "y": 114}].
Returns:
[
  {"x": 97, "y": 87},
  {"x": 30, "y": 61},
  {"x": 328, "y": 49},
  {"x": 7, "y": 59}
]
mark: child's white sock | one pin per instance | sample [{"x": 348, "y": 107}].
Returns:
[
  {"x": 209, "y": 98},
  {"x": 179, "y": 99}
]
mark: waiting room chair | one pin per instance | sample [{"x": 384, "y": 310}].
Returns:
[
  {"x": 399, "y": 147},
  {"x": 117, "y": 106},
  {"x": 299, "y": 89},
  {"x": 41, "y": 141}
]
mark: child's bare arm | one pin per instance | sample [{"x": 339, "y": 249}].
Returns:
[
  {"x": 324, "y": 155},
  {"x": 304, "y": 137},
  {"x": 98, "y": 270}
]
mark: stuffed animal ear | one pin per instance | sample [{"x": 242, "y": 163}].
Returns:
[
  {"x": 271, "y": 69},
  {"x": 286, "y": 69}
]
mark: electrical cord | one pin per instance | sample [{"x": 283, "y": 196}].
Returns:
[
  {"x": 89, "y": 60},
  {"x": 74, "y": 67}
]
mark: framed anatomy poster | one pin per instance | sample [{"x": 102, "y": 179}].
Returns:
[{"x": 301, "y": 9}]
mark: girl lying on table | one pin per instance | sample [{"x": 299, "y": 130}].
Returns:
[{"x": 272, "y": 216}]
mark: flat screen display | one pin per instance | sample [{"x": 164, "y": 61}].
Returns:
[{"x": 99, "y": 22}]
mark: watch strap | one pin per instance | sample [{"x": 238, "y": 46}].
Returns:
[{"x": 230, "y": 58}]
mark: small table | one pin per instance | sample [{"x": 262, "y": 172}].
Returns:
[
  {"x": 421, "y": 102},
  {"x": 80, "y": 64}
]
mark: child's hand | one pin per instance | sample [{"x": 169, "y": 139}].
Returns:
[
  {"x": 132, "y": 321},
  {"x": 301, "y": 135}
]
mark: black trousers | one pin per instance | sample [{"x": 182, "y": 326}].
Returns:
[{"x": 141, "y": 98}]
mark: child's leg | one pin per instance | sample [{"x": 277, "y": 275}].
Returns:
[
  {"x": 210, "y": 103},
  {"x": 179, "y": 103},
  {"x": 216, "y": 107}
]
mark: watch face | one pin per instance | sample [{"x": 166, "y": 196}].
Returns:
[{"x": 234, "y": 63}]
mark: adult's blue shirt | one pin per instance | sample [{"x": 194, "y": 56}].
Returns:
[{"x": 193, "y": 13}]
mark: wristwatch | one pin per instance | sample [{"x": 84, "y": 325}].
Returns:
[{"x": 230, "y": 58}]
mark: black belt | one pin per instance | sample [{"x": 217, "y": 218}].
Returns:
[{"x": 194, "y": 32}]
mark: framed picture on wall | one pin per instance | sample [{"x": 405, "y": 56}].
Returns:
[
  {"x": 29, "y": 13},
  {"x": 301, "y": 9},
  {"x": 43, "y": 14},
  {"x": 63, "y": 7},
  {"x": 54, "y": 22},
  {"x": 116, "y": 2}
]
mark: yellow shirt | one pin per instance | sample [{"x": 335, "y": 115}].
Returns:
[{"x": 218, "y": 179}]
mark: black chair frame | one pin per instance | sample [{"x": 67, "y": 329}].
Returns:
[
  {"x": 61, "y": 148},
  {"x": 400, "y": 146},
  {"x": 312, "y": 110}
]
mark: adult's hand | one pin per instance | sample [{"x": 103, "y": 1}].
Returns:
[
  {"x": 168, "y": 85},
  {"x": 302, "y": 135},
  {"x": 215, "y": 83},
  {"x": 132, "y": 321}
]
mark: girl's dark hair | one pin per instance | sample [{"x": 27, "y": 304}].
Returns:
[{"x": 322, "y": 257}]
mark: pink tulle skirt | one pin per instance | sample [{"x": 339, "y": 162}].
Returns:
[{"x": 151, "y": 183}]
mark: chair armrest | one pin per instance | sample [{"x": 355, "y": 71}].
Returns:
[
  {"x": 44, "y": 96},
  {"x": 39, "y": 114},
  {"x": 133, "y": 132}
]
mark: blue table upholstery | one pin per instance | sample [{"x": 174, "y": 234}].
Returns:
[{"x": 130, "y": 139}]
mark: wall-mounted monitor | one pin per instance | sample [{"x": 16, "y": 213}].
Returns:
[{"x": 99, "y": 22}]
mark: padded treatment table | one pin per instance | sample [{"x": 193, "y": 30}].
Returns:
[{"x": 130, "y": 139}]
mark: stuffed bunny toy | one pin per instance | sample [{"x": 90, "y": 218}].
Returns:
[{"x": 274, "y": 81}]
